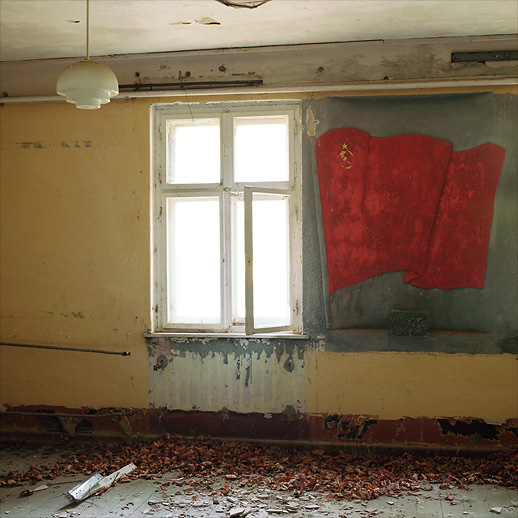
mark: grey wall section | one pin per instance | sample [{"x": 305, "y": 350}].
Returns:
[{"x": 465, "y": 319}]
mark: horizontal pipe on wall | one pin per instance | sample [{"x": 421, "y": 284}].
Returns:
[
  {"x": 56, "y": 348},
  {"x": 293, "y": 89}
]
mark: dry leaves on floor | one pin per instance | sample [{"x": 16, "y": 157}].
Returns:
[{"x": 336, "y": 473}]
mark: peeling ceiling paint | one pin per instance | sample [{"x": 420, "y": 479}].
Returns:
[{"x": 249, "y": 4}]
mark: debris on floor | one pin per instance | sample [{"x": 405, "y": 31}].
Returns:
[
  {"x": 29, "y": 492},
  {"x": 334, "y": 473},
  {"x": 97, "y": 483}
]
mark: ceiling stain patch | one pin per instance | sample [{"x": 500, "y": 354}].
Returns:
[{"x": 247, "y": 4}]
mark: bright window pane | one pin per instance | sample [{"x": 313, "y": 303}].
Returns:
[
  {"x": 238, "y": 260},
  {"x": 261, "y": 149},
  {"x": 193, "y": 151},
  {"x": 271, "y": 261},
  {"x": 193, "y": 260}
]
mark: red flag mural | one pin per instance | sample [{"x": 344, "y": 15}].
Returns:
[{"x": 406, "y": 203}]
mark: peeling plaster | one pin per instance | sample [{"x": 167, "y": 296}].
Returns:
[
  {"x": 348, "y": 427},
  {"x": 241, "y": 379},
  {"x": 473, "y": 428},
  {"x": 297, "y": 65},
  {"x": 38, "y": 144},
  {"x": 311, "y": 122},
  {"x": 27, "y": 145},
  {"x": 289, "y": 365}
]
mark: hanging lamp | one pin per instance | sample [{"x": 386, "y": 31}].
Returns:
[{"x": 87, "y": 84}]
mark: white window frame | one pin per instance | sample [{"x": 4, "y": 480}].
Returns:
[{"x": 225, "y": 190}]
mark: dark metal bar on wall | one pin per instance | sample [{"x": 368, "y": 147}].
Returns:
[
  {"x": 480, "y": 57},
  {"x": 74, "y": 349},
  {"x": 140, "y": 87}
]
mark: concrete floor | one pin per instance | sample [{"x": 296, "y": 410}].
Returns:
[{"x": 163, "y": 497}]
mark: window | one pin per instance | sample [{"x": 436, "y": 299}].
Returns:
[{"x": 227, "y": 223}]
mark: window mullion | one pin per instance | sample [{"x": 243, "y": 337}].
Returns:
[
  {"x": 249, "y": 267},
  {"x": 226, "y": 150},
  {"x": 160, "y": 307},
  {"x": 226, "y": 272},
  {"x": 226, "y": 221}
]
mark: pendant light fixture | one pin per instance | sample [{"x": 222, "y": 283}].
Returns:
[{"x": 87, "y": 84}]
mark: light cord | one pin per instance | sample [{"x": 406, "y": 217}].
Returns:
[{"x": 87, "y": 30}]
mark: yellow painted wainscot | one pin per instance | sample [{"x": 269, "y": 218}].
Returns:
[{"x": 392, "y": 385}]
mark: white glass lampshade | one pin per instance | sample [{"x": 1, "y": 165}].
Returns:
[{"x": 87, "y": 84}]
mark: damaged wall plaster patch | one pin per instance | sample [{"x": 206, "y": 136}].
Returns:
[
  {"x": 254, "y": 380},
  {"x": 311, "y": 122},
  {"x": 469, "y": 428},
  {"x": 289, "y": 365},
  {"x": 27, "y": 145}
]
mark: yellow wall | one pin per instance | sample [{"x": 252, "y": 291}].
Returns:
[
  {"x": 75, "y": 272},
  {"x": 75, "y": 253},
  {"x": 391, "y": 385}
]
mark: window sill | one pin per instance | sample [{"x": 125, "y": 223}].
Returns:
[{"x": 210, "y": 336}]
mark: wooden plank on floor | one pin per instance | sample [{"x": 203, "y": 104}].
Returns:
[
  {"x": 428, "y": 506},
  {"x": 497, "y": 496},
  {"x": 109, "y": 503},
  {"x": 513, "y": 496},
  {"x": 48, "y": 501},
  {"x": 475, "y": 503},
  {"x": 132, "y": 499},
  {"x": 395, "y": 507},
  {"x": 115, "y": 500},
  {"x": 138, "y": 500}
]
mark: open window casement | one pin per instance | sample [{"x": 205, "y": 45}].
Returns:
[{"x": 268, "y": 280}]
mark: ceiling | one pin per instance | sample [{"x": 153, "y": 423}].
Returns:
[{"x": 42, "y": 29}]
